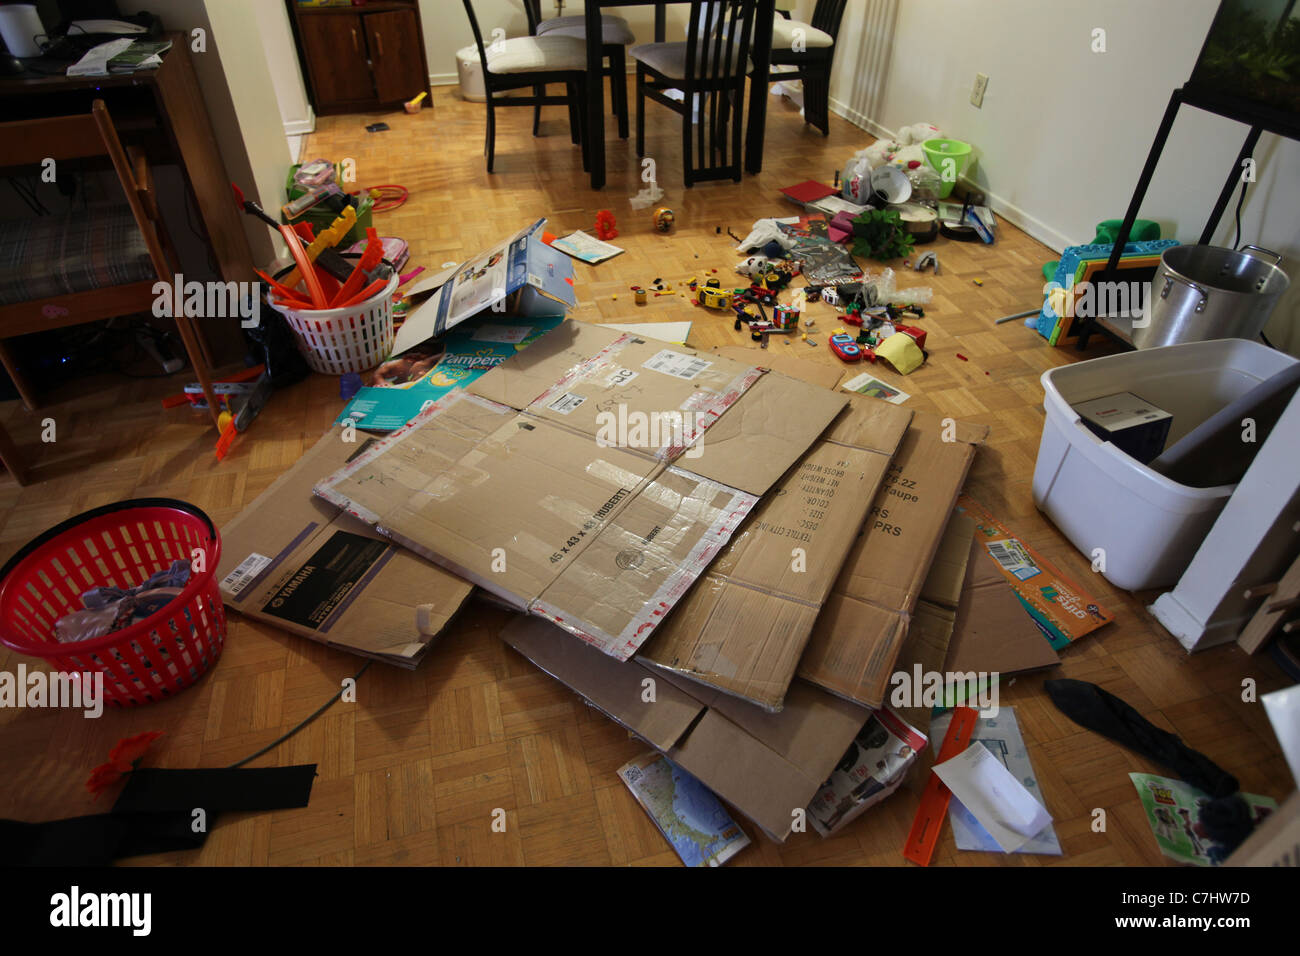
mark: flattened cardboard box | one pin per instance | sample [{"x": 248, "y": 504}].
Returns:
[
  {"x": 301, "y": 564},
  {"x": 576, "y": 481},
  {"x": 994, "y": 632},
  {"x": 744, "y": 626},
  {"x": 765, "y": 765},
  {"x": 864, "y": 622}
]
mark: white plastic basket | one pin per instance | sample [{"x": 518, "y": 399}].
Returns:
[
  {"x": 353, "y": 339},
  {"x": 1148, "y": 525}
]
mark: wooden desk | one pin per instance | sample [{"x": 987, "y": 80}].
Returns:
[
  {"x": 760, "y": 54},
  {"x": 163, "y": 112}
]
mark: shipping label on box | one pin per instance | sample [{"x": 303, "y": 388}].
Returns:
[
  {"x": 296, "y": 562},
  {"x": 1062, "y": 609}
]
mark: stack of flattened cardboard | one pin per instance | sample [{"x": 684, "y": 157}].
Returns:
[
  {"x": 744, "y": 627},
  {"x": 814, "y": 521},
  {"x": 768, "y": 766},
  {"x": 590, "y": 479},
  {"x": 861, "y": 630},
  {"x": 293, "y": 560}
]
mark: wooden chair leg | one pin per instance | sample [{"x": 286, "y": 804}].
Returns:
[
  {"x": 618, "y": 87},
  {"x": 491, "y": 144},
  {"x": 687, "y": 130},
  {"x": 13, "y": 461},
  {"x": 25, "y": 390},
  {"x": 579, "y": 99},
  {"x": 538, "y": 91},
  {"x": 576, "y": 111},
  {"x": 734, "y": 114},
  {"x": 640, "y": 111}
]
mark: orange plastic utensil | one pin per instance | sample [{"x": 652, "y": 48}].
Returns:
[
  {"x": 365, "y": 293},
  {"x": 305, "y": 267},
  {"x": 370, "y": 258}
]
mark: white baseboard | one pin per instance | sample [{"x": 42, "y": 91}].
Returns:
[
  {"x": 303, "y": 126},
  {"x": 1002, "y": 207},
  {"x": 443, "y": 79}
]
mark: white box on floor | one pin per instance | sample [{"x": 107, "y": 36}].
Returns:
[{"x": 1148, "y": 526}]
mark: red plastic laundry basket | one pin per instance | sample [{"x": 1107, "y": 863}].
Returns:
[{"x": 120, "y": 545}]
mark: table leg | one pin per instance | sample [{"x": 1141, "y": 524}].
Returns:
[
  {"x": 758, "y": 82},
  {"x": 594, "y": 135}
]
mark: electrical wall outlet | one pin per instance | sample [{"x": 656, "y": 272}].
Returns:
[{"x": 977, "y": 90}]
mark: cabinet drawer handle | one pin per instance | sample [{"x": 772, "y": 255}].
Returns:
[
  {"x": 355, "y": 46},
  {"x": 379, "y": 42}
]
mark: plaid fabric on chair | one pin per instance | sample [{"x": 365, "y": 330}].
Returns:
[{"x": 92, "y": 248}]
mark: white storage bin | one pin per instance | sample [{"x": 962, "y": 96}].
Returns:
[
  {"x": 1149, "y": 526},
  {"x": 469, "y": 71}
]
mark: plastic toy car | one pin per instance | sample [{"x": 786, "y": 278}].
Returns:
[
  {"x": 714, "y": 298},
  {"x": 844, "y": 347}
]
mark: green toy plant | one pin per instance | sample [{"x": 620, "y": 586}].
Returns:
[{"x": 880, "y": 235}]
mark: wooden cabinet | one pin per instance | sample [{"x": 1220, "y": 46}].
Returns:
[{"x": 362, "y": 57}]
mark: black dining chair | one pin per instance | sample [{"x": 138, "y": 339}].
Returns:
[
  {"x": 810, "y": 49},
  {"x": 616, "y": 37},
  {"x": 708, "y": 70},
  {"x": 533, "y": 61}
]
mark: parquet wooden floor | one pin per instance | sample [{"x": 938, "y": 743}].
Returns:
[{"x": 411, "y": 772}]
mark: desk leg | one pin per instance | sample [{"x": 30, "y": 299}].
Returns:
[
  {"x": 758, "y": 86},
  {"x": 593, "y": 139}
]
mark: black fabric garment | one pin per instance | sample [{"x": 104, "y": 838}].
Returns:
[
  {"x": 1227, "y": 818},
  {"x": 151, "y": 790},
  {"x": 1091, "y": 707},
  {"x": 96, "y": 840},
  {"x": 154, "y": 814}
]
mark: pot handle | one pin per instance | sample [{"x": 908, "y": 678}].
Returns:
[
  {"x": 1171, "y": 279},
  {"x": 1268, "y": 252}
]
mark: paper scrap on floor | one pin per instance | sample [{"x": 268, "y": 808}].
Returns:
[
  {"x": 686, "y": 812},
  {"x": 536, "y": 484},
  {"x": 1173, "y": 810},
  {"x": 675, "y": 333},
  {"x": 1001, "y": 735},
  {"x": 873, "y": 387},
  {"x": 873, "y": 767},
  {"x": 994, "y": 797},
  {"x": 586, "y": 247},
  {"x": 1063, "y": 610},
  {"x": 403, "y": 386}
]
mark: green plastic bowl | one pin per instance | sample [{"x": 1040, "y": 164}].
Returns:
[{"x": 938, "y": 150}]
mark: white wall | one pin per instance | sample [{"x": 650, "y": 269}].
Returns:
[
  {"x": 286, "y": 72},
  {"x": 1064, "y": 132},
  {"x": 235, "y": 80}
]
